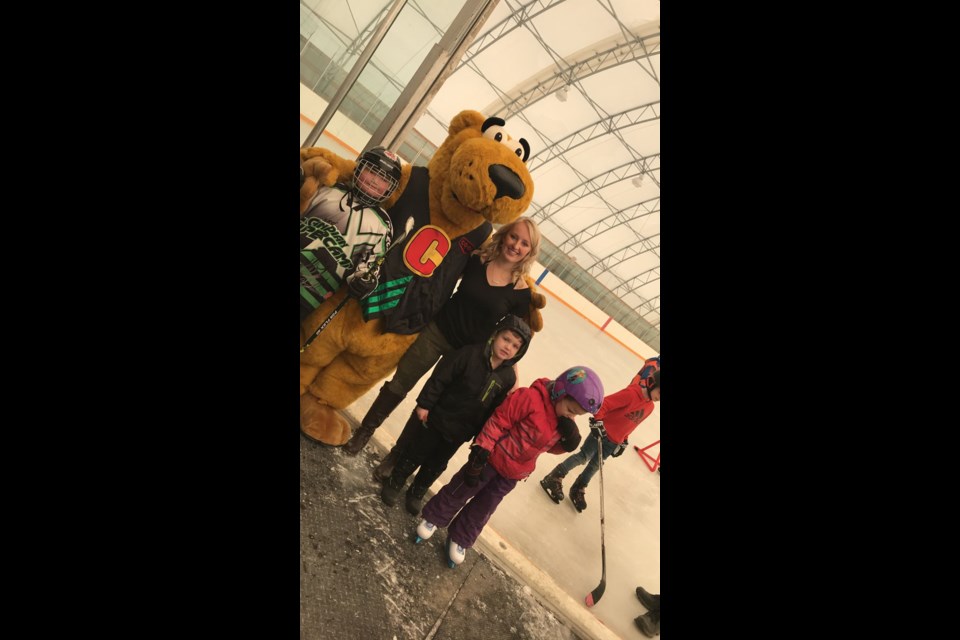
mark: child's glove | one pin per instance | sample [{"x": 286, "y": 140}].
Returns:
[
  {"x": 620, "y": 449},
  {"x": 569, "y": 434},
  {"x": 475, "y": 464},
  {"x": 596, "y": 426},
  {"x": 361, "y": 282}
]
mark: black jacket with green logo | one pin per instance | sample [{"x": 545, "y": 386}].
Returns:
[{"x": 464, "y": 390}]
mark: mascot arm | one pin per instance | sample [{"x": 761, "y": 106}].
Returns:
[
  {"x": 537, "y": 301},
  {"x": 321, "y": 168}
]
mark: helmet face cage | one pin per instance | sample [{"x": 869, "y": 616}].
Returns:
[
  {"x": 379, "y": 162},
  {"x": 581, "y": 384}
]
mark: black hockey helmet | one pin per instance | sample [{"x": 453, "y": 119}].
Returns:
[{"x": 381, "y": 162}]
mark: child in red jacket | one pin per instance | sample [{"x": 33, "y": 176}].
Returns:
[
  {"x": 530, "y": 421},
  {"x": 622, "y": 412}
]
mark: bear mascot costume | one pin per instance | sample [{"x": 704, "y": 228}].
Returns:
[{"x": 476, "y": 178}]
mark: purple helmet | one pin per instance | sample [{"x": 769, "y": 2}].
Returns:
[{"x": 583, "y": 385}]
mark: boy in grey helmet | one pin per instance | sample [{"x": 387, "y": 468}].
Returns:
[{"x": 343, "y": 229}]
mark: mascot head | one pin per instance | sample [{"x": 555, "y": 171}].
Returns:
[{"x": 479, "y": 172}]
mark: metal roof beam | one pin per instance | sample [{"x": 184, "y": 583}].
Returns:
[
  {"x": 637, "y": 281},
  {"x": 606, "y": 125},
  {"x": 594, "y": 184},
  {"x": 524, "y": 13},
  {"x": 591, "y": 61},
  {"x": 610, "y": 222},
  {"x": 622, "y": 255}
]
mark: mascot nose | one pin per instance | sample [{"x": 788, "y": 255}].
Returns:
[{"x": 507, "y": 182}]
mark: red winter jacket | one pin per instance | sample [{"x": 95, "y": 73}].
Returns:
[
  {"x": 622, "y": 411},
  {"x": 520, "y": 429}
]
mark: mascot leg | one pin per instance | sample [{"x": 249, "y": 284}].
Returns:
[
  {"x": 308, "y": 373},
  {"x": 320, "y": 423},
  {"x": 337, "y": 386},
  {"x": 350, "y": 357},
  {"x": 327, "y": 346}
]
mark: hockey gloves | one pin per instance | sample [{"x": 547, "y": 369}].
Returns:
[
  {"x": 620, "y": 449},
  {"x": 569, "y": 434},
  {"x": 596, "y": 426},
  {"x": 475, "y": 464}
]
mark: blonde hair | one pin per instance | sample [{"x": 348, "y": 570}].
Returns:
[{"x": 491, "y": 250}]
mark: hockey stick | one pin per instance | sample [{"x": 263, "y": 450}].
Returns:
[{"x": 594, "y": 596}]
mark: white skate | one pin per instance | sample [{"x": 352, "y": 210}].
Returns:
[
  {"x": 457, "y": 554},
  {"x": 424, "y": 531}
]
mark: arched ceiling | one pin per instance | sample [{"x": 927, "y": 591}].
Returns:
[{"x": 580, "y": 80}]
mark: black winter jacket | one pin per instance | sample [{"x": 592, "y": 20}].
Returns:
[{"x": 464, "y": 390}]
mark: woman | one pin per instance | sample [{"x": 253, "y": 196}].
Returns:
[{"x": 491, "y": 287}]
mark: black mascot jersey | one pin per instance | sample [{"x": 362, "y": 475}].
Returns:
[{"x": 419, "y": 277}]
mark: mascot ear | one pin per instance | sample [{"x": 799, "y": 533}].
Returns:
[
  {"x": 537, "y": 301},
  {"x": 465, "y": 120}
]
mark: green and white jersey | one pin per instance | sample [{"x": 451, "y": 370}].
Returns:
[{"x": 335, "y": 238}]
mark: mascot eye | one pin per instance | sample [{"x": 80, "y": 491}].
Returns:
[{"x": 497, "y": 133}]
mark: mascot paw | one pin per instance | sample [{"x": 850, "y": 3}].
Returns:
[
  {"x": 317, "y": 173},
  {"x": 535, "y": 321},
  {"x": 537, "y": 301},
  {"x": 322, "y": 424}
]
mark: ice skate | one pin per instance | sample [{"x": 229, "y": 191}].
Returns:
[
  {"x": 649, "y": 623},
  {"x": 577, "y": 498},
  {"x": 553, "y": 485},
  {"x": 424, "y": 531},
  {"x": 457, "y": 554},
  {"x": 650, "y": 600}
]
